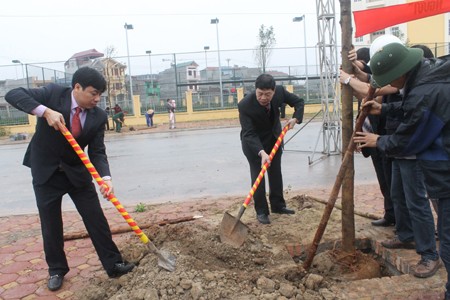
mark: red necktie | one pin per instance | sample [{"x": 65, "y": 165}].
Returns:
[{"x": 76, "y": 123}]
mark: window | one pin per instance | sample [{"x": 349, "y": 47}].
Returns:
[
  {"x": 190, "y": 73},
  {"x": 448, "y": 27},
  {"x": 359, "y": 39},
  {"x": 376, "y": 34},
  {"x": 395, "y": 31},
  {"x": 381, "y": 32}
]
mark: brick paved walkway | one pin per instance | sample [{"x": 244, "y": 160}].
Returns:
[{"x": 23, "y": 271}]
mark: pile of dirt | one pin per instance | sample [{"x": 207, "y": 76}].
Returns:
[{"x": 261, "y": 268}]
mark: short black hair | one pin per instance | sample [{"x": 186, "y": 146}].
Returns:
[
  {"x": 427, "y": 53},
  {"x": 265, "y": 82},
  {"x": 363, "y": 54},
  {"x": 87, "y": 76}
]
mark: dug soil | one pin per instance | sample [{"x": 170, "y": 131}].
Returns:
[{"x": 267, "y": 266}]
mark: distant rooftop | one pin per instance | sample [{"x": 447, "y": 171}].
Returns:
[
  {"x": 85, "y": 56},
  {"x": 91, "y": 54},
  {"x": 186, "y": 64}
]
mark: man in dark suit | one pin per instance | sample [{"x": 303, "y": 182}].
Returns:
[
  {"x": 259, "y": 116},
  {"x": 57, "y": 170}
]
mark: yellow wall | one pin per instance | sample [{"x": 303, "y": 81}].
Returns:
[
  {"x": 188, "y": 116},
  {"x": 428, "y": 31}
]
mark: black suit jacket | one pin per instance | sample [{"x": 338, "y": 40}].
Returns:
[
  {"x": 259, "y": 131},
  {"x": 48, "y": 149}
]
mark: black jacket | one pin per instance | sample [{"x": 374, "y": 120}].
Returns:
[
  {"x": 259, "y": 130},
  {"x": 425, "y": 128},
  {"x": 48, "y": 149}
]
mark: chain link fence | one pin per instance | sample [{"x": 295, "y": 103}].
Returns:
[
  {"x": 25, "y": 76},
  {"x": 158, "y": 77}
]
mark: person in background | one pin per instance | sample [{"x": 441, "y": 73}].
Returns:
[
  {"x": 427, "y": 53},
  {"x": 171, "y": 106},
  {"x": 259, "y": 116},
  {"x": 117, "y": 109},
  {"x": 149, "y": 117},
  {"x": 119, "y": 120},
  {"x": 57, "y": 170},
  {"x": 107, "y": 111}
]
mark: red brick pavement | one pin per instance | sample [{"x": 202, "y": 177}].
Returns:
[{"x": 23, "y": 271}]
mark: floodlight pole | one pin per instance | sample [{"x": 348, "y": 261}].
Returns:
[
  {"x": 216, "y": 21},
  {"x": 129, "y": 27}
]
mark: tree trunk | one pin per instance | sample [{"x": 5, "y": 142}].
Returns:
[{"x": 348, "y": 221}]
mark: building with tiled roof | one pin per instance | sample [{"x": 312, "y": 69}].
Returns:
[{"x": 81, "y": 59}]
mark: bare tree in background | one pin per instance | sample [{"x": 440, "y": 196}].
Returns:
[
  {"x": 266, "y": 38},
  {"x": 108, "y": 65},
  {"x": 110, "y": 51}
]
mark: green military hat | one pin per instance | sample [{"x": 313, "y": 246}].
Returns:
[{"x": 392, "y": 61}]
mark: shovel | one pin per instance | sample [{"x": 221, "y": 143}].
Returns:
[
  {"x": 165, "y": 259},
  {"x": 232, "y": 231}
]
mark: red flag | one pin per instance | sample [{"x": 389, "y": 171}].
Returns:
[{"x": 371, "y": 20}]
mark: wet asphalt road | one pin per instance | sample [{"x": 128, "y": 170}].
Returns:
[{"x": 177, "y": 165}]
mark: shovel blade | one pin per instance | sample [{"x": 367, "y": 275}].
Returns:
[
  {"x": 166, "y": 260},
  {"x": 232, "y": 231}
]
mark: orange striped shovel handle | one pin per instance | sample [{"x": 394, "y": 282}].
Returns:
[
  {"x": 76, "y": 147},
  {"x": 265, "y": 166}
]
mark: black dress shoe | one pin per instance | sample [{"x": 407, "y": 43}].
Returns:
[
  {"x": 284, "y": 211},
  {"x": 120, "y": 269},
  {"x": 263, "y": 219},
  {"x": 383, "y": 223},
  {"x": 55, "y": 282}
]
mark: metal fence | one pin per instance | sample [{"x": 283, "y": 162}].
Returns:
[
  {"x": 171, "y": 78},
  {"x": 25, "y": 76},
  {"x": 11, "y": 116},
  {"x": 240, "y": 71}
]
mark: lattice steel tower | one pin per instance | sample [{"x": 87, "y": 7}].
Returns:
[{"x": 329, "y": 83}]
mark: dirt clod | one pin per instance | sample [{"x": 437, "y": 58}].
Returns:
[{"x": 262, "y": 268}]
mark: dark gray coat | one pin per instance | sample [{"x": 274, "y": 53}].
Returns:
[{"x": 48, "y": 149}]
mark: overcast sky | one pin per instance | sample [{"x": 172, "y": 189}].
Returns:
[{"x": 45, "y": 31}]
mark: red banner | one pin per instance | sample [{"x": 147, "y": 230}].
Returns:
[{"x": 371, "y": 20}]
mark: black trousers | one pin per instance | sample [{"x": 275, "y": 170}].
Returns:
[
  {"x": 383, "y": 170},
  {"x": 275, "y": 177},
  {"x": 107, "y": 124},
  {"x": 48, "y": 198}
]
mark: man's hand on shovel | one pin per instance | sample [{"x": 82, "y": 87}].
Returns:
[
  {"x": 291, "y": 123},
  {"x": 107, "y": 188},
  {"x": 54, "y": 119},
  {"x": 265, "y": 158}
]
